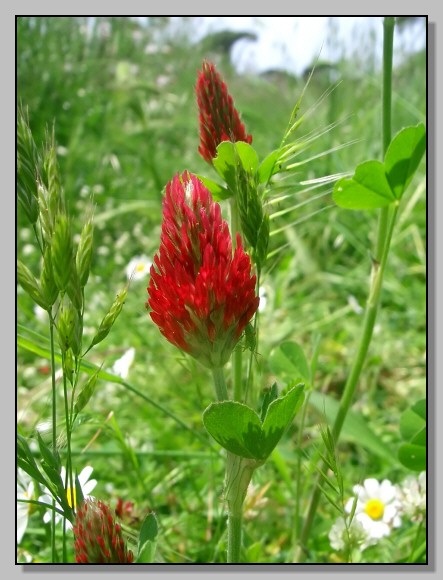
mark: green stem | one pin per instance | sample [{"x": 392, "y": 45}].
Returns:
[
  {"x": 237, "y": 365},
  {"x": 385, "y": 229},
  {"x": 235, "y": 521},
  {"x": 237, "y": 355},
  {"x": 368, "y": 327},
  {"x": 388, "y": 46},
  {"x": 351, "y": 383},
  {"x": 65, "y": 551},
  {"x": 414, "y": 546},
  {"x": 388, "y": 50},
  {"x": 238, "y": 476},
  {"x": 220, "y": 384},
  {"x": 54, "y": 425},
  {"x": 254, "y": 349},
  {"x": 69, "y": 482}
]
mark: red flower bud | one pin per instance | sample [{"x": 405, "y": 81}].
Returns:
[
  {"x": 100, "y": 540},
  {"x": 219, "y": 120},
  {"x": 202, "y": 295}
]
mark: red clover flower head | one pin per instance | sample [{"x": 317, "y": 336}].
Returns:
[
  {"x": 219, "y": 120},
  {"x": 201, "y": 293},
  {"x": 98, "y": 538}
]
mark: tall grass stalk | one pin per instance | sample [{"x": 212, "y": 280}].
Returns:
[
  {"x": 68, "y": 483},
  {"x": 385, "y": 230},
  {"x": 54, "y": 423}
]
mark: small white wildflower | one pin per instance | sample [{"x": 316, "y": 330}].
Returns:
[
  {"x": 138, "y": 268},
  {"x": 137, "y": 35},
  {"x": 153, "y": 105},
  {"x": 98, "y": 189},
  {"x": 263, "y": 295},
  {"x": 151, "y": 48},
  {"x": 137, "y": 230},
  {"x": 338, "y": 241},
  {"x": 85, "y": 30},
  {"x": 123, "y": 364},
  {"x": 104, "y": 29},
  {"x": 162, "y": 81},
  {"x": 413, "y": 497},
  {"x": 44, "y": 427},
  {"x": 40, "y": 313},
  {"x": 85, "y": 191},
  {"x": 377, "y": 507},
  {"x": 62, "y": 151},
  {"x": 89, "y": 331},
  {"x": 103, "y": 250},
  {"x": 355, "y": 536},
  {"x": 28, "y": 249},
  {"x": 109, "y": 488},
  {"x": 25, "y": 491},
  {"x": 25, "y": 234},
  {"x": 29, "y": 372}
]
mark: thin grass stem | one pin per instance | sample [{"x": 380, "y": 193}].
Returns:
[{"x": 385, "y": 230}]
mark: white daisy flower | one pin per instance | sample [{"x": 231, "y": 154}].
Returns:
[
  {"x": 86, "y": 484},
  {"x": 138, "y": 268},
  {"x": 377, "y": 507},
  {"x": 25, "y": 490},
  {"x": 354, "y": 536},
  {"x": 413, "y": 497},
  {"x": 122, "y": 365}
]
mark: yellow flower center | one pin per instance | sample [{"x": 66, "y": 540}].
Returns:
[
  {"x": 140, "y": 267},
  {"x": 375, "y": 509},
  {"x": 71, "y": 497}
]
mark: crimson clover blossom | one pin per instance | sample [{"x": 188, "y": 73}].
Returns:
[
  {"x": 201, "y": 292},
  {"x": 218, "y": 118},
  {"x": 98, "y": 538}
]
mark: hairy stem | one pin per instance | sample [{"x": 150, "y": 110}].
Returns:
[
  {"x": 220, "y": 384},
  {"x": 238, "y": 476}
]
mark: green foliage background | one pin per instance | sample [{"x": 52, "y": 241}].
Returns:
[{"x": 121, "y": 98}]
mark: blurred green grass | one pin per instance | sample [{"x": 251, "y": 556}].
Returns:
[{"x": 121, "y": 97}]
